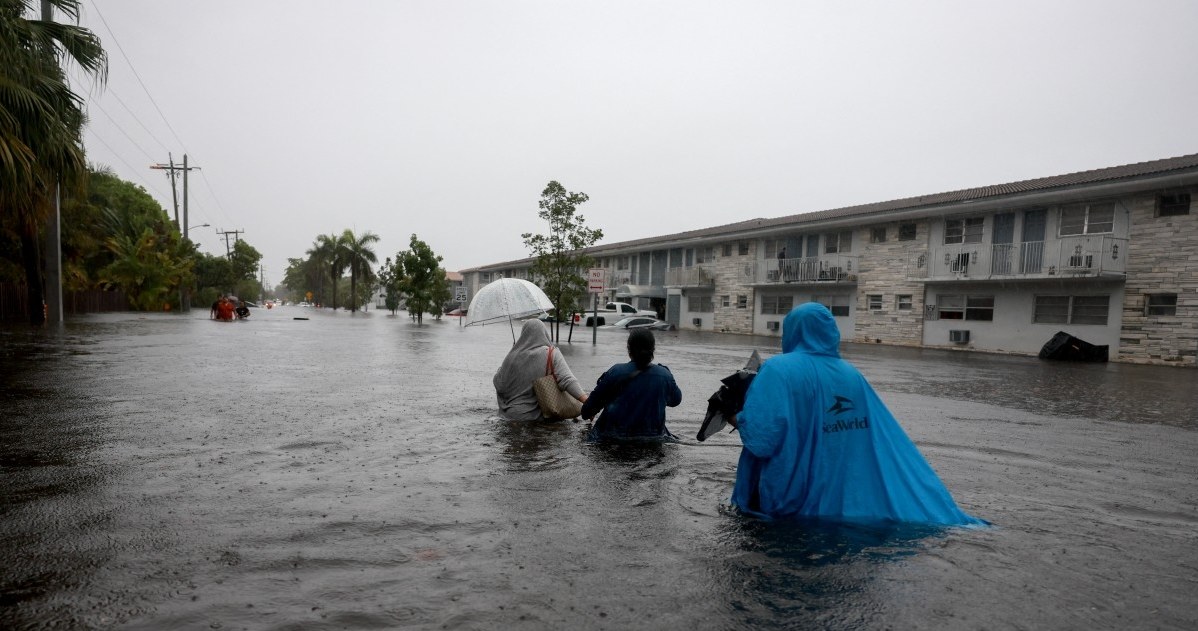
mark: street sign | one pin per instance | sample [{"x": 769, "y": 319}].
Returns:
[
  {"x": 459, "y": 295},
  {"x": 597, "y": 280}
]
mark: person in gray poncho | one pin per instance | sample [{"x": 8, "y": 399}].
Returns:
[{"x": 525, "y": 362}]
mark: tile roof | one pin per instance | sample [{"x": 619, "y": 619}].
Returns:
[{"x": 1056, "y": 182}]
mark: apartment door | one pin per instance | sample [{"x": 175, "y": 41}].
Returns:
[
  {"x": 673, "y": 309},
  {"x": 1031, "y": 251},
  {"x": 1002, "y": 250}
]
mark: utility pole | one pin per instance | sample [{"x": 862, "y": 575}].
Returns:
[
  {"x": 184, "y": 295},
  {"x": 226, "y": 233},
  {"x": 170, "y": 168}
]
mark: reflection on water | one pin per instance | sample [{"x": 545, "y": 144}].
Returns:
[
  {"x": 349, "y": 471},
  {"x": 812, "y": 571},
  {"x": 1114, "y": 392},
  {"x": 532, "y": 446}
]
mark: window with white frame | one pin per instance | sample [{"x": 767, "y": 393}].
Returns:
[
  {"x": 1160, "y": 304},
  {"x": 1173, "y": 205},
  {"x": 699, "y": 304},
  {"x": 902, "y": 302},
  {"x": 1071, "y": 309},
  {"x": 704, "y": 254},
  {"x": 874, "y": 302},
  {"x": 725, "y": 301},
  {"x": 621, "y": 262},
  {"x": 1087, "y": 219},
  {"x": 742, "y": 301},
  {"x": 772, "y": 246},
  {"x": 484, "y": 277},
  {"x": 776, "y": 305},
  {"x": 967, "y": 230},
  {"x": 965, "y": 307},
  {"x": 835, "y": 242},
  {"x": 837, "y": 304}
]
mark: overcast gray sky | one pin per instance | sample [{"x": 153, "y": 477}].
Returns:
[{"x": 447, "y": 119}]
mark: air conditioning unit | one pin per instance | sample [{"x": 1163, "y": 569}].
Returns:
[
  {"x": 1078, "y": 260},
  {"x": 958, "y": 336},
  {"x": 960, "y": 264},
  {"x": 772, "y": 326},
  {"x": 697, "y": 322}
]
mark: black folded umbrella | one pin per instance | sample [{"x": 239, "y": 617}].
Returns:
[{"x": 723, "y": 406}]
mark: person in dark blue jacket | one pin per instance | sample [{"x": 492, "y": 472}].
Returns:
[
  {"x": 819, "y": 442},
  {"x": 633, "y": 396}
]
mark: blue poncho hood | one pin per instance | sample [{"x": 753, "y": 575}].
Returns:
[
  {"x": 810, "y": 328},
  {"x": 819, "y": 442}
]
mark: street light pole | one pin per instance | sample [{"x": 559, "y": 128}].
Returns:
[{"x": 52, "y": 257}]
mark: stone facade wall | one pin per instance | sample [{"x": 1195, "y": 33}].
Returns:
[
  {"x": 1162, "y": 257},
  {"x": 731, "y": 281},
  {"x": 883, "y": 270}
]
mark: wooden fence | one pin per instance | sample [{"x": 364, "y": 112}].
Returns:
[{"x": 14, "y": 297}]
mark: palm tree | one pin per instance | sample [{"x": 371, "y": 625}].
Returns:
[
  {"x": 359, "y": 256},
  {"x": 325, "y": 251},
  {"x": 41, "y": 122}
]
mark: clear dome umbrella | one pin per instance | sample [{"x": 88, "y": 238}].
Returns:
[{"x": 507, "y": 299}]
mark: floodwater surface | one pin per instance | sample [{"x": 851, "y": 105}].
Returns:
[{"x": 349, "y": 471}]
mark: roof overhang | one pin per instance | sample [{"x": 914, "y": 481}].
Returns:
[{"x": 640, "y": 291}]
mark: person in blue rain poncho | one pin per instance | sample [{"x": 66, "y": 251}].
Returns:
[{"x": 819, "y": 442}]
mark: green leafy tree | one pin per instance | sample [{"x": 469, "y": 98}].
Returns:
[
  {"x": 424, "y": 283},
  {"x": 214, "y": 276},
  {"x": 243, "y": 261},
  {"x": 147, "y": 267},
  {"x": 111, "y": 207},
  {"x": 560, "y": 261},
  {"x": 359, "y": 256},
  {"x": 144, "y": 254},
  {"x": 303, "y": 276},
  {"x": 41, "y": 122},
  {"x": 391, "y": 281}
]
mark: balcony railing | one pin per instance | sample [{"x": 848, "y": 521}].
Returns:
[
  {"x": 814, "y": 269},
  {"x": 698, "y": 276},
  {"x": 1080, "y": 256}
]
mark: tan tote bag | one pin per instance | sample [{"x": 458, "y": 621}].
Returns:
[{"x": 554, "y": 402}]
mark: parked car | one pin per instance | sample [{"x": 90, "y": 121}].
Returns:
[{"x": 643, "y": 322}]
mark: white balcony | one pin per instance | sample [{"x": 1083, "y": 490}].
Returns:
[
  {"x": 1097, "y": 256},
  {"x": 697, "y": 276},
  {"x": 830, "y": 268}
]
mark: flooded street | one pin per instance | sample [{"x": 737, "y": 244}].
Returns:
[{"x": 350, "y": 472}]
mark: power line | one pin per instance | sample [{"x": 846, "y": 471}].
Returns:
[
  {"x": 137, "y": 119},
  {"x": 212, "y": 192},
  {"x": 122, "y": 130},
  {"x": 118, "y": 157},
  {"x": 172, "y": 167},
  {"x": 226, "y": 233},
  {"x": 138, "y": 76},
  {"x": 93, "y": 99}
]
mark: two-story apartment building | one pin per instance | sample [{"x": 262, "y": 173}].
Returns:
[{"x": 1109, "y": 255}]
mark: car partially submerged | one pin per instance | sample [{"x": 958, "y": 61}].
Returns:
[{"x": 643, "y": 322}]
